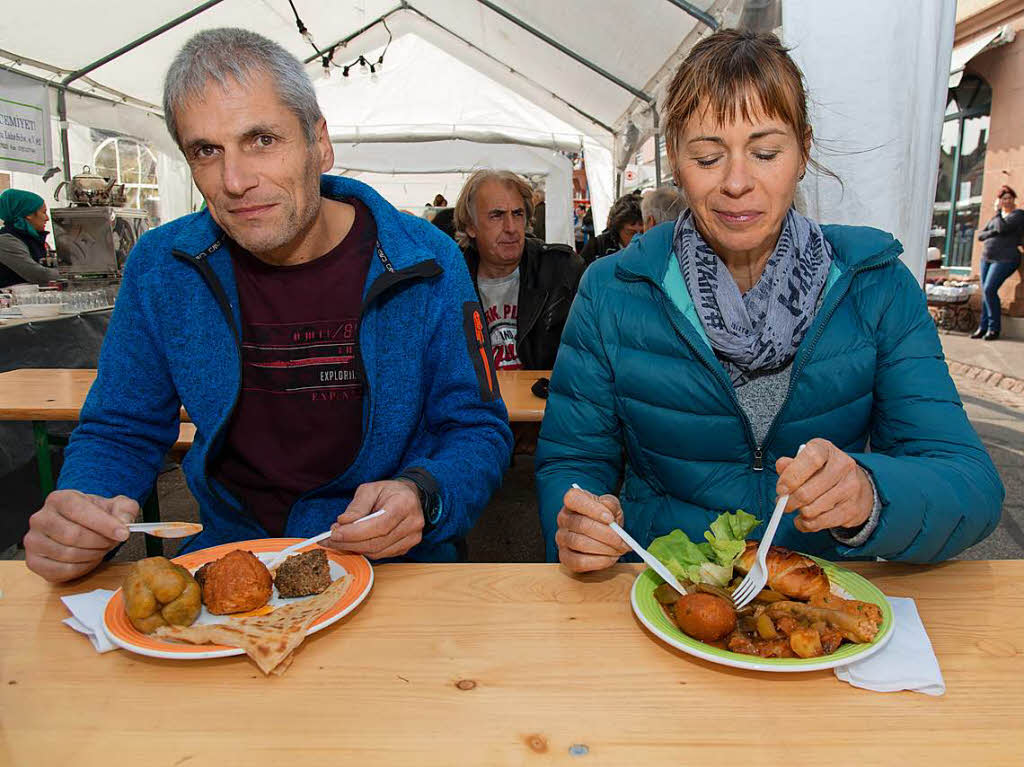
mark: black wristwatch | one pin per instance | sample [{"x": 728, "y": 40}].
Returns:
[{"x": 430, "y": 495}]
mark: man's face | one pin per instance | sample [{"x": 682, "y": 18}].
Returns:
[
  {"x": 251, "y": 160},
  {"x": 500, "y": 228}
]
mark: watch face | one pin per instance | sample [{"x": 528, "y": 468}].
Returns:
[{"x": 434, "y": 512}]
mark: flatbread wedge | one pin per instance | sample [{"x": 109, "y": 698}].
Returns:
[{"x": 268, "y": 639}]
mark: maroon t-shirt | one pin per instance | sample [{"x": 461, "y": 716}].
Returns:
[{"x": 299, "y": 419}]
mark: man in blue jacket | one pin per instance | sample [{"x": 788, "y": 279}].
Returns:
[{"x": 329, "y": 349}]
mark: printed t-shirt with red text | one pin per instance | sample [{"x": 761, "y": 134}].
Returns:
[
  {"x": 499, "y": 298},
  {"x": 298, "y": 422}
]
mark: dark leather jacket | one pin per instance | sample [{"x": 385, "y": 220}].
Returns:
[{"x": 549, "y": 274}]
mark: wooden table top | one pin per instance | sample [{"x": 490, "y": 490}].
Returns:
[
  {"x": 57, "y": 394},
  {"x": 506, "y": 664}
]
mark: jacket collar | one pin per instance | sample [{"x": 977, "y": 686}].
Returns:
[
  {"x": 853, "y": 247},
  {"x": 532, "y": 249},
  {"x": 200, "y": 235}
]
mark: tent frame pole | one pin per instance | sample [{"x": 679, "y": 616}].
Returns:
[
  {"x": 657, "y": 146},
  {"x": 696, "y": 13},
  {"x": 62, "y": 86},
  {"x": 567, "y": 51}
]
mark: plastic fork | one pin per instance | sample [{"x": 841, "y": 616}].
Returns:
[
  {"x": 757, "y": 576},
  {"x": 285, "y": 553},
  {"x": 653, "y": 562}
]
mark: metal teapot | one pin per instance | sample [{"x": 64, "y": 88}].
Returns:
[{"x": 88, "y": 188}]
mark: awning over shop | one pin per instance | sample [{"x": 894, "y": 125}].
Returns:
[{"x": 962, "y": 54}]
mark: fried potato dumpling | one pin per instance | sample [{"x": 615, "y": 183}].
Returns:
[
  {"x": 705, "y": 616},
  {"x": 235, "y": 583},
  {"x": 158, "y": 592}
]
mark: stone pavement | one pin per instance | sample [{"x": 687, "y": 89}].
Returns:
[{"x": 990, "y": 378}]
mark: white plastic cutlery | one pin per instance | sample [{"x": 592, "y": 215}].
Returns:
[
  {"x": 757, "y": 576},
  {"x": 651, "y": 560},
  {"x": 285, "y": 553}
]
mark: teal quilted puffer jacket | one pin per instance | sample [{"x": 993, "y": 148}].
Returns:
[{"x": 638, "y": 396}]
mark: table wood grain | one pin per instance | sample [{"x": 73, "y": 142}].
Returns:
[
  {"x": 507, "y": 664},
  {"x": 57, "y": 394}
]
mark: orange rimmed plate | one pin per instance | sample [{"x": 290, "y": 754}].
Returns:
[{"x": 123, "y": 634}]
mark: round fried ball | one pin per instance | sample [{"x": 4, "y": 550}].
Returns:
[
  {"x": 158, "y": 592},
  {"x": 705, "y": 616}
]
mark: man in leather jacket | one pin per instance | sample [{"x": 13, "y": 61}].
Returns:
[{"x": 525, "y": 286}]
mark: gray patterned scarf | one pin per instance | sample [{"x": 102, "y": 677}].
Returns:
[{"x": 762, "y": 329}]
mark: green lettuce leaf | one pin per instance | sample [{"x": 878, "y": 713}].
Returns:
[
  {"x": 679, "y": 554},
  {"x": 712, "y": 560}
]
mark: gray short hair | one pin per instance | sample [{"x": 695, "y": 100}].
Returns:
[
  {"x": 229, "y": 53},
  {"x": 663, "y": 204}
]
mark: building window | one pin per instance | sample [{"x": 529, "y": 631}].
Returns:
[
  {"x": 957, "y": 210},
  {"x": 133, "y": 164}
]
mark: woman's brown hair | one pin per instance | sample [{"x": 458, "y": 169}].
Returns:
[{"x": 732, "y": 71}]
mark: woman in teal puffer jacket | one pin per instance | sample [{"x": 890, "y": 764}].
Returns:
[{"x": 696, "y": 362}]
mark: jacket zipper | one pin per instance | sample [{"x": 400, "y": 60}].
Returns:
[
  {"x": 208, "y": 275},
  {"x": 809, "y": 350}
]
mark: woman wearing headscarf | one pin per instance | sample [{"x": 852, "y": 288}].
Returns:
[
  {"x": 23, "y": 239},
  {"x": 697, "y": 361}
]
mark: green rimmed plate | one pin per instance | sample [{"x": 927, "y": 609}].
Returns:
[{"x": 845, "y": 583}]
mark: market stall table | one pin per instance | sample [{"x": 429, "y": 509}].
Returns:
[{"x": 507, "y": 664}]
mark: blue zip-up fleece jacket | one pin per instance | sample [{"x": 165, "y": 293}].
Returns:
[
  {"x": 638, "y": 392},
  {"x": 430, "y": 401}
]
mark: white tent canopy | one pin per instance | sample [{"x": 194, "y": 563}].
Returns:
[
  {"x": 578, "y": 76},
  {"x": 529, "y": 73},
  {"x": 395, "y": 122}
]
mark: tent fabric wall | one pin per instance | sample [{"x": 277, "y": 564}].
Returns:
[
  {"x": 423, "y": 90},
  {"x": 876, "y": 73},
  {"x": 459, "y": 157}
]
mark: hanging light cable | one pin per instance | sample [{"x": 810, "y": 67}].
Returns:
[{"x": 306, "y": 34}]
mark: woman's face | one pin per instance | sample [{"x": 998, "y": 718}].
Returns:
[
  {"x": 38, "y": 219},
  {"x": 740, "y": 179},
  {"x": 628, "y": 231},
  {"x": 1007, "y": 201}
]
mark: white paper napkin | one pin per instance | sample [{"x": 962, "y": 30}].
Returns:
[
  {"x": 87, "y": 611},
  {"x": 906, "y": 663}
]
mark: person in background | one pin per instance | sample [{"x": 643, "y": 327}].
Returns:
[
  {"x": 624, "y": 221},
  {"x": 660, "y": 205},
  {"x": 539, "y": 229},
  {"x": 440, "y": 201},
  {"x": 444, "y": 219},
  {"x": 696, "y": 362},
  {"x": 1000, "y": 259},
  {"x": 333, "y": 359},
  {"x": 525, "y": 286},
  {"x": 23, "y": 239}
]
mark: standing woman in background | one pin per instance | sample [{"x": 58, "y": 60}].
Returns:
[
  {"x": 23, "y": 239},
  {"x": 999, "y": 260}
]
